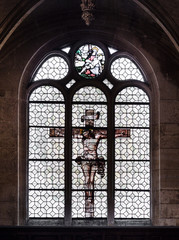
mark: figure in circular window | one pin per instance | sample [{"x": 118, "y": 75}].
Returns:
[{"x": 89, "y": 61}]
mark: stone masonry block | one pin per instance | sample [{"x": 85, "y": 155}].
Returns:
[
  {"x": 8, "y": 192},
  {"x": 169, "y": 135},
  {"x": 8, "y": 213},
  {"x": 169, "y": 211},
  {"x": 169, "y": 111},
  {"x": 169, "y": 196},
  {"x": 169, "y": 159},
  {"x": 8, "y": 160},
  {"x": 169, "y": 179},
  {"x": 168, "y": 90}
]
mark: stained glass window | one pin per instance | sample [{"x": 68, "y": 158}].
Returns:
[
  {"x": 55, "y": 68},
  {"x": 125, "y": 69},
  {"x": 112, "y": 50},
  {"x": 46, "y": 155},
  {"x": 132, "y": 155},
  {"x": 108, "y": 83},
  {"x": 89, "y": 153},
  {"x": 89, "y": 137},
  {"x": 89, "y": 61}
]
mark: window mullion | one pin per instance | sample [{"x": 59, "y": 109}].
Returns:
[
  {"x": 68, "y": 160},
  {"x": 110, "y": 163}
]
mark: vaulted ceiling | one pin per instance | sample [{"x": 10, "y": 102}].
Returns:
[{"x": 149, "y": 16}]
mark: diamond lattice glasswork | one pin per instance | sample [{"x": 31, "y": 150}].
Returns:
[
  {"x": 46, "y": 204},
  {"x": 55, "y": 68},
  {"x": 89, "y": 61},
  {"x": 46, "y": 155},
  {"x": 124, "y": 69},
  {"x": 132, "y": 204},
  {"x": 89, "y": 94},
  {"x": 132, "y": 155},
  {"x": 46, "y": 93},
  {"x": 132, "y": 94}
]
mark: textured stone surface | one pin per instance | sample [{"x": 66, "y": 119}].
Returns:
[
  {"x": 169, "y": 136},
  {"x": 169, "y": 159},
  {"x": 8, "y": 191},
  {"x": 177, "y": 222},
  {"x": 169, "y": 111},
  {"x": 169, "y": 90},
  {"x": 169, "y": 196},
  {"x": 169, "y": 179},
  {"x": 169, "y": 211},
  {"x": 167, "y": 222},
  {"x": 8, "y": 213}
]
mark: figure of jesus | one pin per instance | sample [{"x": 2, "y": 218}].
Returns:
[{"x": 89, "y": 160}]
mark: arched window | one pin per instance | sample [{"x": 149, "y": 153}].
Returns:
[
  {"x": 46, "y": 155},
  {"x": 89, "y": 137}
]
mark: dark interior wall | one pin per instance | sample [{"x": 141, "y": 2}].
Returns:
[{"x": 122, "y": 24}]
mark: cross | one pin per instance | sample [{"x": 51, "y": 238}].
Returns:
[{"x": 89, "y": 160}]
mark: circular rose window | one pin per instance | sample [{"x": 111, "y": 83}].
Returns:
[{"x": 89, "y": 61}]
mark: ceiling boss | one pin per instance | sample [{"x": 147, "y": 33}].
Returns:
[{"x": 87, "y": 7}]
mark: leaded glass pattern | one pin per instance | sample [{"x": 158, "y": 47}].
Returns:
[
  {"x": 70, "y": 83},
  {"x": 94, "y": 185},
  {"x": 89, "y": 94},
  {"x": 41, "y": 146},
  {"x": 135, "y": 115},
  {"x": 89, "y": 61},
  {"x": 89, "y": 154},
  {"x": 132, "y": 155},
  {"x": 132, "y": 204},
  {"x": 108, "y": 84},
  {"x": 46, "y": 204},
  {"x": 124, "y": 69},
  {"x": 47, "y": 94},
  {"x": 46, "y": 154},
  {"x": 132, "y": 94},
  {"x": 112, "y": 50},
  {"x": 46, "y": 174},
  {"x": 134, "y": 148},
  {"x": 133, "y": 175},
  {"x": 67, "y": 49},
  {"x": 45, "y": 114},
  {"x": 100, "y": 204},
  {"x": 55, "y": 68}
]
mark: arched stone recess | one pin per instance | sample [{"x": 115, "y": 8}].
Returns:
[{"x": 152, "y": 91}]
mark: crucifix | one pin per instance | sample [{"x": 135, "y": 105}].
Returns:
[{"x": 89, "y": 160}]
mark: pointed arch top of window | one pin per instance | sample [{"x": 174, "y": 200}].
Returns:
[
  {"x": 123, "y": 69},
  {"x": 53, "y": 68},
  {"x": 89, "y": 94},
  {"x": 132, "y": 94},
  {"x": 46, "y": 93}
]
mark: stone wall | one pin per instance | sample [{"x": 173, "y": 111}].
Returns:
[{"x": 169, "y": 154}]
